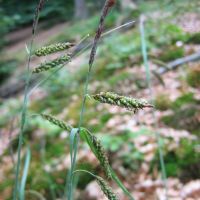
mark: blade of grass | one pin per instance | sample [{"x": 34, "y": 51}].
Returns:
[
  {"x": 25, "y": 102},
  {"x": 148, "y": 79},
  {"x": 25, "y": 174},
  {"x": 73, "y": 153}
]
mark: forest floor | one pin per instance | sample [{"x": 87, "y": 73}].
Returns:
[{"x": 129, "y": 138}]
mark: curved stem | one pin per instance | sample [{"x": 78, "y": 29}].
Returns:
[{"x": 82, "y": 170}]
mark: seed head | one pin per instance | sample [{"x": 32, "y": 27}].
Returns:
[
  {"x": 51, "y": 64},
  {"x": 57, "y": 122},
  {"x": 101, "y": 154},
  {"x": 43, "y": 51},
  {"x": 107, "y": 190},
  {"x": 121, "y": 101}
]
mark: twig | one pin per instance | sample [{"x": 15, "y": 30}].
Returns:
[{"x": 180, "y": 61}]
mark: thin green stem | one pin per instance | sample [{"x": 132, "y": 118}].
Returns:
[
  {"x": 25, "y": 103},
  {"x": 148, "y": 78},
  {"x": 105, "y": 11},
  {"x": 22, "y": 127},
  {"x": 85, "y": 171}
]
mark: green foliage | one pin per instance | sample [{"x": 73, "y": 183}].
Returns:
[
  {"x": 193, "y": 76},
  {"x": 183, "y": 161},
  {"x": 162, "y": 102},
  {"x": 184, "y": 118},
  {"x": 6, "y": 69},
  {"x": 118, "y": 50},
  {"x": 22, "y": 13},
  {"x": 194, "y": 38},
  {"x": 187, "y": 98},
  {"x": 105, "y": 117},
  {"x": 171, "y": 54},
  {"x": 54, "y": 149},
  {"x": 164, "y": 33},
  {"x": 79, "y": 28},
  {"x": 83, "y": 177}
]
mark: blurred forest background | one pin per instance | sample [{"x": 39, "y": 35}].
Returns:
[{"x": 172, "y": 29}]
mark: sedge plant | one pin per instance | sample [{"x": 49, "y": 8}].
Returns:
[{"x": 81, "y": 133}]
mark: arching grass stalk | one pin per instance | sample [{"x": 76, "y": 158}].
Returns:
[
  {"x": 107, "y": 6},
  {"x": 95, "y": 146},
  {"x": 106, "y": 189},
  {"x": 25, "y": 102},
  {"x": 79, "y": 53},
  {"x": 148, "y": 78}
]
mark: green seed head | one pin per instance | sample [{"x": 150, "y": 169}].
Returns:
[
  {"x": 107, "y": 190},
  {"x": 101, "y": 154},
  {"x": 57, "y": 122},
  {"x": 122, "y": 101},
  {"x": 43, "y": 51},
  {"x": 52, "y": 64}
]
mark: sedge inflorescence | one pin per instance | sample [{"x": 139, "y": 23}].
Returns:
[
  {"x": 121, "y": 101},
  {"x": 52, "y": 64},
  {"x": 43, "y": 51},
  {"x": 107, "y": 190},
  {"x": 57, "y": 122},
  {"x": 101, "y": 154},
  {"x": 99, "y": 149}
]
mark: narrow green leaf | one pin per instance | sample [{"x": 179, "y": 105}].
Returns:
[
  {"x": 84, "y": 136},
  {"x": 25, "y": 174},
  {"x": 120, "y": 184},
  {"x": 73, "y": 152}
]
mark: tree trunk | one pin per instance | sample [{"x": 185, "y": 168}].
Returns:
[{"x": 81, "y": 11}]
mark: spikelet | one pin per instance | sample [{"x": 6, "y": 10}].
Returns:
[
  {"x": 107, "y": 190},
  {"x": 57, "y": 122},
  {"x": 101, "y": 154},
  {"x": 121, "y": 101},
  {"x": 43, "y": 51},
  {"x": 51, "y": 64}
]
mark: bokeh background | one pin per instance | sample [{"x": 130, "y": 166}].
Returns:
[{"x": 172, "y": 29}]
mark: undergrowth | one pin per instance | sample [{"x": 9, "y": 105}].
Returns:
[{"x": 106, "y": 66}]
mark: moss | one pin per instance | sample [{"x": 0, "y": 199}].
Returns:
[
  {"x": 187, "y": 98},
  {"x": 182, "y": 162},
  {"x": 162, "y": 102},
  {"x": 165, "y": 34},
  {"x": 193, "y": 76},
  {"x": 84, "y": 178},
  {"x": 194, "y": 38},
  {"x": 171, "y": 53},
  {"x": 55, "y": 149}
]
